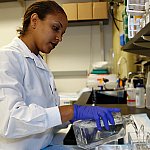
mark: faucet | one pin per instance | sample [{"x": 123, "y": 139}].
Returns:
[
  {"x": 132, "y": 74},
  {"x": 119, "y": 63}
]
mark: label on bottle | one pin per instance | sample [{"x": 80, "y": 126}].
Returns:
[{"x": 131, "y": 95}]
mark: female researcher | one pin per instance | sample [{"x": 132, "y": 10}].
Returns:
[{"x": 29, "y": 104}]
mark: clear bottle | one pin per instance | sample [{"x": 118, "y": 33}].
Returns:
[
  {"x": 140, "y": 99},
  {"x": 148, "y": 91}
]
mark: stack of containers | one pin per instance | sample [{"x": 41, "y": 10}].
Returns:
[{"x": 135, "y": 10}]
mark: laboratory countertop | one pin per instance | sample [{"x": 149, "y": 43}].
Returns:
[
  {"x": 125, "y": 110},
  {"x": 102, "y": 147}
]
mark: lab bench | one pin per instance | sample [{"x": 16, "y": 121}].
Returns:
[
  {"x": 125, "y": 110},
  {"x": 103, "y": 147}
]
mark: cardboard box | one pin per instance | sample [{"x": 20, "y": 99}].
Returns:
[
  {"x": 85, "y": 11},
  {"x": 100, "y": 10},
  {"x": 71, "y": 10}
]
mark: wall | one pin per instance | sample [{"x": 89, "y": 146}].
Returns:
[
  {"x": 81, "y": 45},
  {"x": 10, "y": 20},
  {"x": 131, "y": 58}
]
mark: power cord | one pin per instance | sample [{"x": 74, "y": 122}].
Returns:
[{"x": 112, "y": 14}]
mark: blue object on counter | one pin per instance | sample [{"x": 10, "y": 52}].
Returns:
[{"x": 122, "y": 41}]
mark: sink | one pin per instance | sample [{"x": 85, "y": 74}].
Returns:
[{"x": 108, "y": 97}]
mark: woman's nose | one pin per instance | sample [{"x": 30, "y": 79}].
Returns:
[{"x": 59, "y": 37}]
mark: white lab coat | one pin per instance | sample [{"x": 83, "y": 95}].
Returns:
[{"x": 28, "y": 99}]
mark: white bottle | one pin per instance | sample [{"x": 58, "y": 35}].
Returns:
[
  {"x": 131, "y": 95},
  {"x": 140, "y": 99},
  {"x": 148, "y": 91}
]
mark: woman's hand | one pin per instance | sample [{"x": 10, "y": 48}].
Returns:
[{"x": 95, "y": 113}]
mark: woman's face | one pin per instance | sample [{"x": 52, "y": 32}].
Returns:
[{"x": 47, "y": 33}]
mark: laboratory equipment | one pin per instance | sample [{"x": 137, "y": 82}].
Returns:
[
  {"x": 139, "y": 140},
  {"x": 88, "y": 136}
]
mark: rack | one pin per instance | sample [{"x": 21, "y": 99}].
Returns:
[
  {"x": 136, "y": 7},
  {"x": 135, "y": 10},
  {"x": 140, "y": 43}
]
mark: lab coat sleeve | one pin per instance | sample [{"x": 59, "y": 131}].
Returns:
[{"x": 16, "y": 118}]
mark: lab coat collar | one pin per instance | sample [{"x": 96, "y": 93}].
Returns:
[{"x": 28, "y": 54}]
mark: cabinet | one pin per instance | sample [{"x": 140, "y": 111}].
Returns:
[
  {"x": 86, "y": 13},
  {"x": 140, "y": 43}
]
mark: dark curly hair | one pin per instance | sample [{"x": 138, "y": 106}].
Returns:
[{"x": 42, "y": 8}]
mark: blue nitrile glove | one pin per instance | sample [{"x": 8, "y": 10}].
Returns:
[{"x": 95, "y": 113}]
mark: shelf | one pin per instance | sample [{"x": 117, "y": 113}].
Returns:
[
  {"x": 88, "y": 22},
  {"x": 70, "y": 74},
  {"x": 140, "y": 43}
]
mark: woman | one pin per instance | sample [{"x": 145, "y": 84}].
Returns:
[{"x": 29, "y": 104}]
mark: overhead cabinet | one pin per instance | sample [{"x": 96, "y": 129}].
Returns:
[
  {"x": 140, "y": 43},
  {"x": 86, "y": 13},
  {"x": 71, "y": 10},
  {"x": 100, "y": 10}
]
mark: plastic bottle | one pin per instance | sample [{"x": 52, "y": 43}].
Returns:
[
  {"x": 148, "y": 91},
  {"x": 131, "y": 95},
  {"x": 140, "y": 99}
]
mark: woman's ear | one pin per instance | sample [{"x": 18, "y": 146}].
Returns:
[{"x": 33, "y": 20}]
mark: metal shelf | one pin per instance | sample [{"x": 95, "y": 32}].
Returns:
[{"x": 139, "y": 44}]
